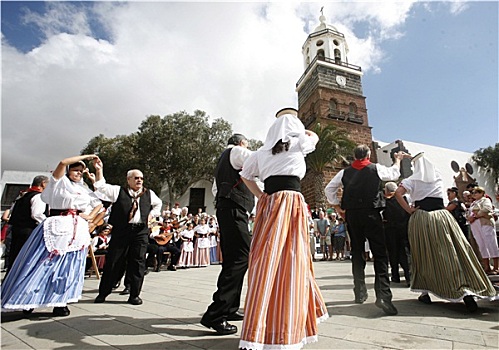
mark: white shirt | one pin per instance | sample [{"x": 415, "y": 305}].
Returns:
[
  {"x": 237, "y": 157},
  {"x": 110, "y": 193},
  {"x": 420, "y": 190},
  {"x": 263, "y": 164},
  {"x": 385, "y": 174},
  {"x": 38, "y": 208}
]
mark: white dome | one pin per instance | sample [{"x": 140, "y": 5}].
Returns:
[{"x": 324, "y": 25}]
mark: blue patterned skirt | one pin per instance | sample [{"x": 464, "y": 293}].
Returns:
[{"x": 38, "y": 279}]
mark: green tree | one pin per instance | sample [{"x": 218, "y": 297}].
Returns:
[
  {"x": 333, "y": 147},
  {"x": 488, "y": 159},
  {"x": 117, "y": 153},
  {"x": 254, "y": 144},
  {"x": 180, "y": 149}
]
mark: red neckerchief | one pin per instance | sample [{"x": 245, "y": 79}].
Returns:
[
  {"x": 360, "y": 164},
  {"x": 35, "y": 189}
]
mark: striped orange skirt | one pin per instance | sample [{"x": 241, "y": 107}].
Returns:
[{"x": 283, "y": 303}]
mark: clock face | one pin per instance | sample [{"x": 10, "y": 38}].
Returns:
[{"x": 341, "y": 80}]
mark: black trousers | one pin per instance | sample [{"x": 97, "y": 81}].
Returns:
[
  {"x": 155, "y": 251},
  {"x": 127, "y": 246},
  {"x": 235, "y": 244},
  {"x": 397, "y": 243},
  {"x": 19, "y": 236},
  {"x": 362, "y": 224}
]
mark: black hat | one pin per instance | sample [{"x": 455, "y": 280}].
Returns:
[{"x": 453, "y": 189}]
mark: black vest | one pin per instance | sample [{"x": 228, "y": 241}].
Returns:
[
  {"x": 21, "y": 213},
  {"x": 230, "y": 187},
  {"x": 121, "y": 208},
  {"x": 361, "y": 188}
]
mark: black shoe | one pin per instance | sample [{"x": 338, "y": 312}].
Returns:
[
  {"x": 100, "y": 299},
  {"x": 386, "y": 306},
  {"x": 61, "y": 311},
  {"x": 117, "y": 285},
  {"x": 171, "y": 268},
  {"x": 222, "y": 328},
  {"x": 236, "y": 316},
  {"x": 135, "y": 301},
  {"x": 470, "y": 303},
  {"x": 125, "y": 291},
  {"x": 28, "y": 311},
  {"x": 425, "y": 299},
  {"x": 360, "y": 298}
]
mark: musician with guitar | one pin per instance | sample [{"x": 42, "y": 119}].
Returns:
[{"x": 161, "y": 241}]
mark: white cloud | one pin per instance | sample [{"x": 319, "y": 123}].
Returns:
[{"x": 238, "y": 61}]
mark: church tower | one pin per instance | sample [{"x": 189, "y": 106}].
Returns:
[{"x": 330, "y": 89}]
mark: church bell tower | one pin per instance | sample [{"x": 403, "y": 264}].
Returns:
[
  {"x": 330, "y": 89},
  {"x": 330, "y": 92}
]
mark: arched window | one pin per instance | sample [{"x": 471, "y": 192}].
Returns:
[
  {"x": 337, "y": 56},
  {"x": 320, "y": 54},
  {"x": 333, "y": 107},
  {"x": 352, "y": 109}
]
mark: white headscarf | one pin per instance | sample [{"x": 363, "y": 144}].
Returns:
[
  {"x": 284, "y": 128},
  {"x": 424, "y": 170}
]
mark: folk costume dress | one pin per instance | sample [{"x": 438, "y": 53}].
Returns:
[
  {"x": 442, "y": 261},
  {"x": 483, "y": 228},
  {"x": 49, "y": 271},
  {"x": 202, "y": 246},
  {"x": 283, "y": 302},
  {"x": 186, "y": 257}
]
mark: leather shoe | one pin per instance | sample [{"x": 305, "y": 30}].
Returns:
[
  {"x": 134, "y": 301},
  {"x": 236, "y": 316},
  {"x": 360, "y": 298},
  {"x": 100, "y": 299},
  {"x": 60, "y": 311},
  {"x": 222, "y": 328},
  {"x": 425, "y": 299},
  {"x": 171, "y": 268},
  {"x": 125, "y": 291},
  {"x": 470, "y": 303},
  {"x": 386, "y": 306}
]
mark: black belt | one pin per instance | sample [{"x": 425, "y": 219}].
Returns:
[
  {"x": 137, "y": 226},
  {"x": 57, "y": 212},
  {"x": 278, "y": 183},
  {"x": 430, "y": 204}
]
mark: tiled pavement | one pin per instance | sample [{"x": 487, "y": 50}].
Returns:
[{"x": 175, "y": 301}]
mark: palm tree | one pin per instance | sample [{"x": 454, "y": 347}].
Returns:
[{"x": 334, "y": 146}]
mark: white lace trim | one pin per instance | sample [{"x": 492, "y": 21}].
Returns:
[
  {"x": 466, "y": 293},
  {"x": 60, "y": 236},
  {"x": 243, "y": 344}
]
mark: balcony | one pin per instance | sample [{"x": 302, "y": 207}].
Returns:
[{"x": 327, "y": 60}]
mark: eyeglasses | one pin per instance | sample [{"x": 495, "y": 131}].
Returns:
[
  {"x": 76, "y": 170},
  {"x": 139, "y": 178}
]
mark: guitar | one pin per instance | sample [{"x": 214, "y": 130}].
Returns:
[{"x": 164, "y": 234}]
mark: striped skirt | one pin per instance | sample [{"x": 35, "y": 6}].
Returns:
[
  {"x": 38, "y": 279},
  {"x": 283, "y": 302},
  {"x": 443, "y": 262}
]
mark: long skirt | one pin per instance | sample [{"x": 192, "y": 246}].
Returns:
[
  {"x": 486, "y": 239},
  {"x": 443, "y": 262},
  {"x": 283, "y": 302},
  {"x": 39, "y": 279}
]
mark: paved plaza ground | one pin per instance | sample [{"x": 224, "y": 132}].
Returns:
[{"x": 175, "y": 301}]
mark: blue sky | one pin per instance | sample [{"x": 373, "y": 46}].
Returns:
[{"x": 71, "y": 71}]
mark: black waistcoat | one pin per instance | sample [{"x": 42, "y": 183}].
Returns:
[
  {"x": 21, "y": 213},
  {"x": 230, "y": 186},
  {"x": 121, "y": 208},
  {"x": 361, "y": 188}
]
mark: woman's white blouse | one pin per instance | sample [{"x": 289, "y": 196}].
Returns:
[
  {"x": 262, "y": 163},
  {"x": 66, "y": 194},
  {"x": 419, "y": 190}
]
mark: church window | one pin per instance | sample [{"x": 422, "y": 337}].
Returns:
[
  {"x": 320, "y": 43},
  {"x": 352, "y": 108},
  {"x": 333, "y": 106},
  {"x": 321, "y": 54},
  {"x": 337, "y": 56},
  {"x": 336, "y": 42}
]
